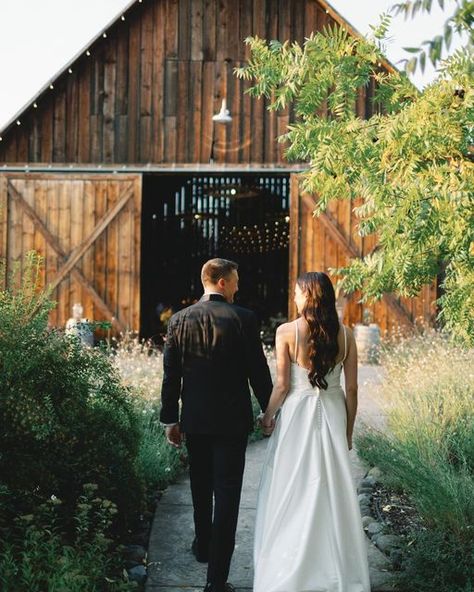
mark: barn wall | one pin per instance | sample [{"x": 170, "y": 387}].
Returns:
[
  {"x": 146, "y": 94},
  {"x": 148, "y": 91},
  {"x": 87, "y": 229},
  {"x": 329, "y": 242}
]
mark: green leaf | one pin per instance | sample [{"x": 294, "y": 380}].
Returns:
[
  {"x": 416, "y": 6},
  {"x": 411, "y": 65},
  {"x": 412, "y": 49},
  {"x": 422, "y": 61},
  {"x": 427, "y": 5},
  {"x": 448, "y": 34}
]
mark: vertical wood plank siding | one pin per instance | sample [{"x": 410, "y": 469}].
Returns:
[
  {"x": 147, "y": 92},
  {"x": 313, "y": 248},
  {"x": 56, "y": 216}
]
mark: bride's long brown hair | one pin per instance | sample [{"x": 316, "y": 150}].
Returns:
[{"x": 320, "y": 313}]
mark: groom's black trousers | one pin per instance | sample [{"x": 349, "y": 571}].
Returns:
[{"x": 216, "y": 467}]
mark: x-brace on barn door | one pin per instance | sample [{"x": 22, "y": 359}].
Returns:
[{"x": 87, "y": 229}]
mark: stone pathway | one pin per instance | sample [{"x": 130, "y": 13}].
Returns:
[{"x": 171, "y": 565}]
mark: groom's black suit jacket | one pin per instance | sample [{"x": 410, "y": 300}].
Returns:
[{"x": 211, "y": 353}]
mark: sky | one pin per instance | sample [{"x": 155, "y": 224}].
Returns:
[{"x": 38, "y": 37}]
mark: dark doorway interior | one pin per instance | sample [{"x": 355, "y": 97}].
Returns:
[{"x": 188, "y": 219}]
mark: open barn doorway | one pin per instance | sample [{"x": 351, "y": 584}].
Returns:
[{"x": 189, "y": 218}]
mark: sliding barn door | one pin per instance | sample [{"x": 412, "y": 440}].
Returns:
[
  {"x": 87, "y": 229},
  {"x": 330, "y": 241}
]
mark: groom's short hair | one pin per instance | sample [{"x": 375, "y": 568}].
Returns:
[{"x": 215, "y": 269}]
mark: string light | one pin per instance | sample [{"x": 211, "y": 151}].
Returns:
[
  {"x": 122, "y": 17},
  {"x": 35, "y": 105},
  {"x": 1, "y": 138},
  {"x": 88, "y": 53},
  {"x": 51, "y": 86},
  {"x": 104, "y": 35},
  {"x": 70, "y": 70},
  {"x": 254, "y": 239},
  {"x": 18, "y": 122}
]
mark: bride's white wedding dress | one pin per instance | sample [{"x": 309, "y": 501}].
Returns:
[{"x": 309, "y": 535}]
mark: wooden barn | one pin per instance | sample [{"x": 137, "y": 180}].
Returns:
[{"x": 118, "y": 175}]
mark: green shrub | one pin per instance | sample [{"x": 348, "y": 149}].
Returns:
[
  {"x": 66, "y": 417},
  {"x": 159, "y": 462},
  {"x": 428, "y": 452},
  {"x": 38, "y": 557},
  {"x": 437, "y": 561},
  {"x": 140, "y": 365},
  {"x": 443, "y": 494}
]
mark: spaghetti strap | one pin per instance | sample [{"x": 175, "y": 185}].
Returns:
[
  {"x": 296, "y": 342},
  {"x": 345, "y": 344}
]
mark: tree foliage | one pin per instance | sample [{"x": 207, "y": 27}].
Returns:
[
  {"x": 461, "y": 21},
  {"x": 409, "y": 166}
]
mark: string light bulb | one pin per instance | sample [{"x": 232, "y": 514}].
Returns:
[
  {"x": 51, "y": 86},
  {"x": 70, "y": 70},
  {"x": 122, "y": 17},
  {"x": 104, "y": 35},
  {"x": 18, "y": 122},
  {"x": 35, "y": 105},
  {"x": 88, "y": 53}
]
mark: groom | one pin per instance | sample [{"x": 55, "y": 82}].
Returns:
[{"x": 211, "y": 353}]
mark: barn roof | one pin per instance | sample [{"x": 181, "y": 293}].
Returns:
[{"x": 122, "y": 15}]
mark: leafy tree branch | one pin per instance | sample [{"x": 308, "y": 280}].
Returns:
[{"x": 408, "y": 169}]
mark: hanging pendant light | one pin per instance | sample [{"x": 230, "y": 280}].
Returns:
[{"x": 224, "y": 115}]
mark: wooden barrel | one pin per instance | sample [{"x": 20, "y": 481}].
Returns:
[{"x": 368, "y": 342}]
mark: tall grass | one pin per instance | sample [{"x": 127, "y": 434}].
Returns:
[
  {"x": 140, "y": 364},
  {"x": 428, "y": 448}
]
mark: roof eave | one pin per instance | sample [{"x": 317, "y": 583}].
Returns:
[{"x": 35, "y": 98}]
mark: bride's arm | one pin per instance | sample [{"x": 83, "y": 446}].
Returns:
[
  {"x": 350, "y": 379},
  {"x": 282, "y": 381}
]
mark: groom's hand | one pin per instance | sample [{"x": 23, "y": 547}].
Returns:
[
  {"x": 267, "y": 428},
  {"x": 174, "y": 435}
]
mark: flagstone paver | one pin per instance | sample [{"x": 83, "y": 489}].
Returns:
[{"x": 171, "y": 565}]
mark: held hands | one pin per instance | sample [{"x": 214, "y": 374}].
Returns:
[
  {"x": 174, "y": 435},
  {"x": 267, "y": 425}
]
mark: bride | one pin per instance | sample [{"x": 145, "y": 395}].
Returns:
[{"x": 309, "y": 535}]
